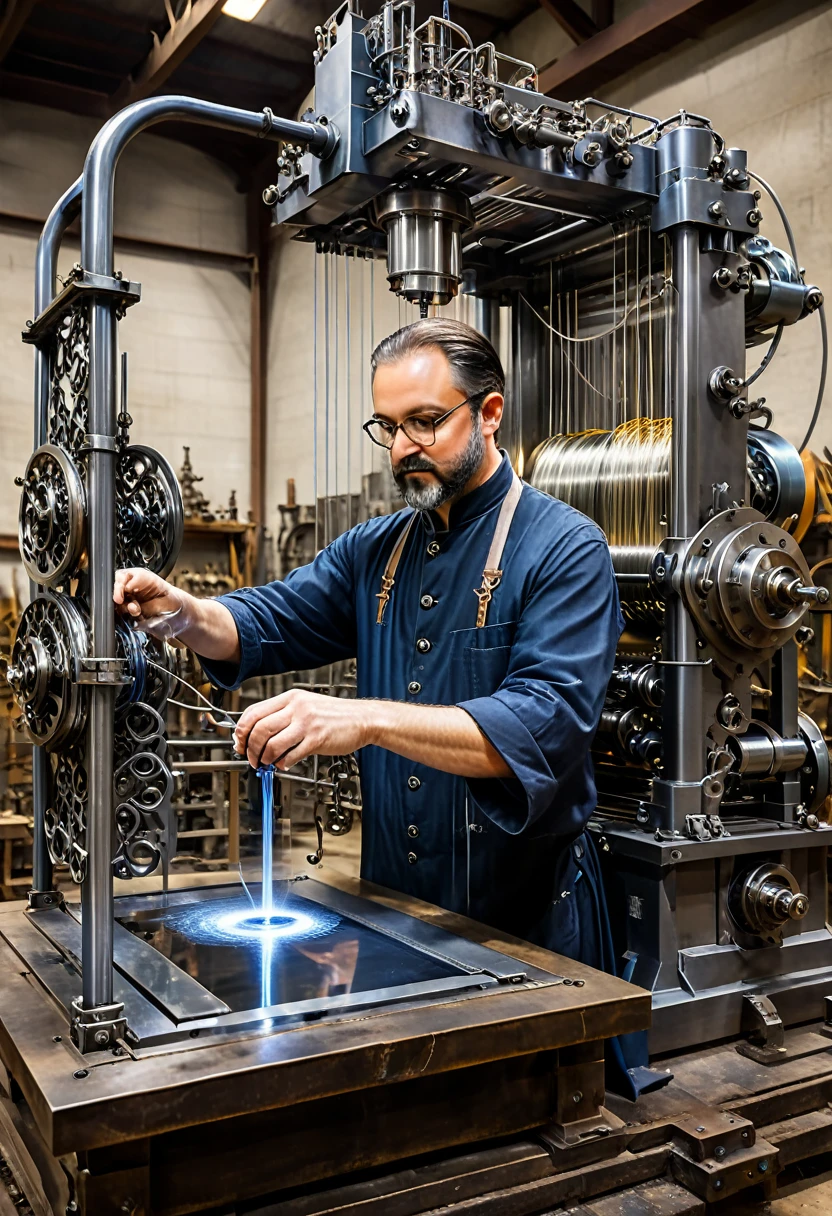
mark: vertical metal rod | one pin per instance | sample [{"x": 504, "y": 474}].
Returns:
[
  {"x": 684, "y": 708},
  {"x": 97, "y": 890},
  {"x": 46, "y": 265},
  {"x": 327, "y": 332},
  {"x": 348, "y": 315},
  {"x": 315, "y": 390}
]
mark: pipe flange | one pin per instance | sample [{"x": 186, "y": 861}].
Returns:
[
  {"x": 52, "y": 517},
  {"x": 746, "y": 583},
  {"x": 763, "y": 901}
]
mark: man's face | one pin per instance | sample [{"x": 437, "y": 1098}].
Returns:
[{"x": 420, "y": 385}]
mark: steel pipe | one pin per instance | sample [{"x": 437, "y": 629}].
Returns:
[
  {"x": 46, "y": 264},
  {"x": 97, "y": 258}
]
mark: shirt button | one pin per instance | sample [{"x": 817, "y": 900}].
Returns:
[
  {"x": 414, "y": 686},
  {"x": 433, "y": 548},
  {"x": 412, "y": 830},
  {"x": 428, "y": 601},
  {"x": 423, "y": 645},
  {"x": 411, "y": 857},
  {"x": 413, "y": 783}
]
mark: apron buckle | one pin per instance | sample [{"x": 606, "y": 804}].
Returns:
[{"x": 490, "y": 582}]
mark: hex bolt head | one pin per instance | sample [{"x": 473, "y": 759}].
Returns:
[{"x": 101, "y": 1037}]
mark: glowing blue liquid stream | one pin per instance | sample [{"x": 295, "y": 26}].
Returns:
[{"x": 266, "y": 775}]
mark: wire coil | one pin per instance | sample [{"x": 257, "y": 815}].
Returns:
[{"x": 621, "y": 480}]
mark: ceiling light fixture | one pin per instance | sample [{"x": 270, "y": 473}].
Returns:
[{"x": 243, "y": 10}]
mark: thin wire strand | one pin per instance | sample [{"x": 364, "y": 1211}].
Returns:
[
  {"x": 590, "y": 337},
  {"x": 215, "y": 709}
]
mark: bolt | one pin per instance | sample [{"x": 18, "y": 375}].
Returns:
[
  {"x": 754, "y": 216},
  {"x": 576, "y": 1097},
  {"x": 193, "y": 1034},
  {"x": 579, "y": 983},
  {"x": 724, "y": 276},
  {"x": 700, "y": 1129},
  {"x": 717, "y": 209},
  {"x": 719, "y": 1152},
  {"x": 675, "y": 854},
  {"x": 81, "y": 1073},
  {"x": 717, "y": 1184},
  {"x": 101, "y": 1037},
  {"x": 745, "y": 1135},
  {"x": 270, "y": 195},
  {"x": 762, "y": 1166}
]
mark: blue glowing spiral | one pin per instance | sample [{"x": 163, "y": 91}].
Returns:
[{"x": 227, "y": 922}]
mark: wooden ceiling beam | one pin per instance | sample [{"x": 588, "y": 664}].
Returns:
[
  {"x": 40, "y": 92},
  {"x": 15, "y": 15},
  {"x": 169, "y": 52},
  {"x": 572, "y": 18},
  {"x": 658, "y": 26}
]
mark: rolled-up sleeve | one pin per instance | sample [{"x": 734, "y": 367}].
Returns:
[
  {"x": 302, "y": 621},
  {"x": 545, "y": 713}
]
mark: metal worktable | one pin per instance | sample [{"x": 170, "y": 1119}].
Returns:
[{"x": 190, "y": 1111}]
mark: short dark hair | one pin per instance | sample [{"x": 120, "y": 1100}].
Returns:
[{"x": 475, "y": 365}]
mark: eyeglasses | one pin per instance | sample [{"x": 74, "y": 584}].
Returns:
[{"x": 418, "y": 428}]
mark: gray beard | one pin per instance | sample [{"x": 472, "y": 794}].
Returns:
[{"x": 449, "y": 485}]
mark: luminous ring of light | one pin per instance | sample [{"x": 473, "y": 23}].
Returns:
[
  {"x": 229, "y": 921},
  {"x": 243, "y": 923}
]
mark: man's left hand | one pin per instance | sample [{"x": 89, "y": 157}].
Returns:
[{"x": 286, "y": 729}]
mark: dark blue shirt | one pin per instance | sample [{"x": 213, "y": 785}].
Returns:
[{"x": 533, "y": 679}]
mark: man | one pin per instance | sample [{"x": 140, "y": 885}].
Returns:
[{"x": 484, "y": 621}]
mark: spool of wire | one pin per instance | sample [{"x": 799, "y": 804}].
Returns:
[{"x": 621, "y": 480}]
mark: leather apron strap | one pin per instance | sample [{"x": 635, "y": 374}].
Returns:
[
  {"x": 389, "y": 576},
  {"x": 492, "y": 574}
]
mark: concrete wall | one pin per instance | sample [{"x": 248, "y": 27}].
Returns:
[{"x": 188, "y": 340}]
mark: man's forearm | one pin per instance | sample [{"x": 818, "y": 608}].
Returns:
[
  {"x": 211, "y": 630},
  {"x": 443, "y": 737}
]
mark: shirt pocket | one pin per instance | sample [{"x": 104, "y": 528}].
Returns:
[{"x": 481, "y": 657}]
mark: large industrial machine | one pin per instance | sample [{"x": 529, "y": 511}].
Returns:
[{"x": 616, "y": 259}]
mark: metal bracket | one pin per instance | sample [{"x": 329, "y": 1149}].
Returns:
[
  {"x": 97, "y": 1029},
  {"x": 123, "y": 292},
  {"x": 704, "y": 827},
  {"x": 44, "y": 899},
  {"x": 102, "y": 671},
  {"x": 98, "y": 443},
  {"x": 764, "y": 1026}
]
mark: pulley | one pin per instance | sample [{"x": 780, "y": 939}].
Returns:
[
  {"x": 151, "y": 517},
  {"x": 51, "y": 637},
  {"x": 52, "y": 517}
]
